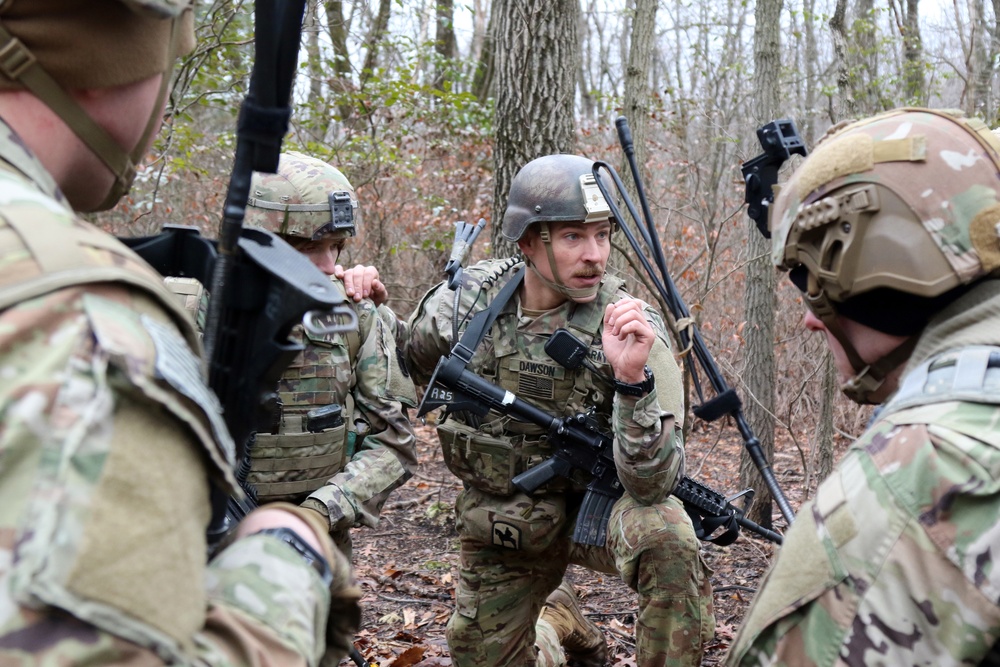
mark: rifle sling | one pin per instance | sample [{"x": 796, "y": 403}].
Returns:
[{"x": 484, "y": 319}]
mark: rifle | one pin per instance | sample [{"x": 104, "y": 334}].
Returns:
[
  {"x": 726, "y": 401},
  {"x": 259, "y": 286},
  {"x": 580, "y": 445}
]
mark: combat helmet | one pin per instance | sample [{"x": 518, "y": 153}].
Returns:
[
  {"x": 51, "y": 47},
  {"x": 888, "y": 220},
  {"x": 306, "y": 199},
  {"x": 555, "y": 188}
]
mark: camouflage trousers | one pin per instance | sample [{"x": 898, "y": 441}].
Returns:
[{"x": 514, "y": 552}]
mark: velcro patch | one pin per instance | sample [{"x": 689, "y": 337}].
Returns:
[
  {"x": 506, "y": 535},
  {"x": 181, "y": 369}
]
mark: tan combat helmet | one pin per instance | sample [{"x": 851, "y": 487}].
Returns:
[
  {"x": 50, "y": 47},
  {"x": 887, "y": 221},
  {"x": 555, "y": 188},
  {"x": 306, "y": 199}
]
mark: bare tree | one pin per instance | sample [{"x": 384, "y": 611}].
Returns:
[
  {"x": 866, "y": 77},
  {"x": 759, "y": 365},
  {"x": 907, "y": 15},
  {"x": 340, "y": 80},
  {"x": 316, "y": 103},
  {"x": 838, "y": 30},
  {"x": 444, "y": 40},
  {"x": 635, "y": 105},
  {"x": 481, "y": 49},
  {"x": 537, "y": 47},
  {"x": 374, "y": 39}
]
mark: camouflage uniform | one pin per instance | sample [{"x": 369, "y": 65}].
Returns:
[
  {"x": 891, "y": 562},
  {"x": 106, "y": 436},
  {"x": 348, "y": 471},
  {"x": 515, "y": 547}
]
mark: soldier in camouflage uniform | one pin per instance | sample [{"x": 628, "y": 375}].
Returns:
[
  {"x": 109, "y": 439},
  {"x": 345, "y": 471},
  {"x": 891, "y": 229},
  {"x": 516, "y": 547}
]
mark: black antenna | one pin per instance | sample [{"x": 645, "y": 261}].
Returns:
[{"x": 726, "y": 401}]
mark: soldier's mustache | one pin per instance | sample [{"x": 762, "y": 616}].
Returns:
[{"x": 589, "y": 271}]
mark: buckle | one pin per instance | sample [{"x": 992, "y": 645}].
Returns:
[{"x": 15, "y": 58}]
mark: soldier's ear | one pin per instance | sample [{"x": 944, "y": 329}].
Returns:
[{"x": 528, "y": 242}]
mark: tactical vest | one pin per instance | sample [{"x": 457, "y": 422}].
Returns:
[
  {"x": 294, "y": 462},
  {"x": 43, "y": 254},
  {"x": 487, "y": 456}
]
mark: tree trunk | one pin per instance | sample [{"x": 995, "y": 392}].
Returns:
[
  {"x": 990, "y": 114},
  {"x": 913, "y": 56},
  {"x": 444, "y": 41},
  {"x": 537, "y": 47},
  {"x": 482, "y": 80},
  {"x": 811, "y": 58},
  {"x": 374, "y": 39},
  {"x": 316, "y": 105},
  {"x": 838, "y": 30},
  {"x": 341, "y": 83},
  {"x": 635, "y": 107},
  {"x": 759, "y": 366},
  {"x": 824, "y": 429},
  {"x": 865, "y": 34},
  {"x": 980, "y": 71}
]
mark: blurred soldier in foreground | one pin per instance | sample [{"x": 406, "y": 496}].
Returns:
[
  {"x": 515, "y": 547},
  {"x": 339, "y": 442},
  {"x": 109, "y": 440},
  {"x": 890, "y": 229}
]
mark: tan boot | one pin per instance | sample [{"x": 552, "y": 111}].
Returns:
[{"x": 583, "y": 641}]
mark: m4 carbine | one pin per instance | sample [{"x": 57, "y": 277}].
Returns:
[{"x": 579, "y": 445}]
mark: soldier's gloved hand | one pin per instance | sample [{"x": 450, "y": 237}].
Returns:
[{"x": 332, "y": 512}]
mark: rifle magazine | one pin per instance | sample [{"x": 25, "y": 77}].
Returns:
[{"x": 592, "y": 519}]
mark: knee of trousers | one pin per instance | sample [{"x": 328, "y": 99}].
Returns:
[{"x": 656, "y": 550}]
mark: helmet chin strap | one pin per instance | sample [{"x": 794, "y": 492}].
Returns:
[
  {"x": 868, "y": 378},
  {"x": 558, "y": 285}
]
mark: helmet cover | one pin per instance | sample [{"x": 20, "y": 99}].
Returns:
[{"x": 908, "y": 200}]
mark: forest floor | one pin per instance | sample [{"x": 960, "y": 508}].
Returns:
[{"x": 408, "y": 565}]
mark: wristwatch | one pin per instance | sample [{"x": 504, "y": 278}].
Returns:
[
  {"x": 315, "y": 559},
  {"x": 637, "y": 389}
]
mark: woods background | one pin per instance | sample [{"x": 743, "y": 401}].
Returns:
[{"x": 430, "y": 107}]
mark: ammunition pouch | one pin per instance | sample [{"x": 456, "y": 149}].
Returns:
[
  {"x": 489, "y": 462},
  {"x": 290, "y": 465}
]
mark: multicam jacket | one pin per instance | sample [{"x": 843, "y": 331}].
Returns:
[
  {"x": 648, "y": 449},
  {"x": 108, "y": 441},
  {"x": 892, "y": 562}
]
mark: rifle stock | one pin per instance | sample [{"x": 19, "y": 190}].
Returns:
[{"x": 579, "y": 446}]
